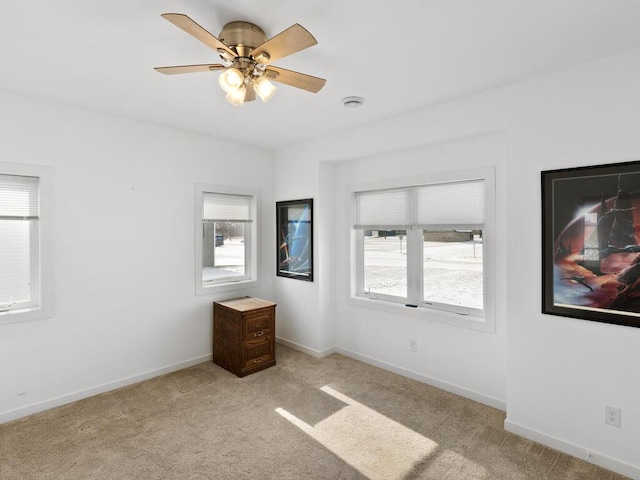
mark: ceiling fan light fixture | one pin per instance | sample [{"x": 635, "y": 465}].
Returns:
[
  {"x": 231, "y": 80},
  {"x": 264, "y": 88},
  {"x": 236, "y": 97},
  {"x": 246, "y": 54}
]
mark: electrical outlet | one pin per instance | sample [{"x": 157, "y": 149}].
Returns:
[
  {"x": 413, "y": 345},
  {"x": 612, "y": 416}
]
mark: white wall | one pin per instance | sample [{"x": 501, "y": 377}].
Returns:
[
  {"x": 558, "y": 373},
  {"x": 305, "y": 309},
  {"x": 125, "y": 304},
  {"x": 562, "y": 372}
]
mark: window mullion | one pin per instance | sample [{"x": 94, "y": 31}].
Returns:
[
  {"x": 414, "y": 266},
  {"x": 414, "y": 254}
]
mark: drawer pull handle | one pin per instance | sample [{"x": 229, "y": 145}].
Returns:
[
  {"x": 257, "y": 360},
  {"x": 259, "y": 334}
]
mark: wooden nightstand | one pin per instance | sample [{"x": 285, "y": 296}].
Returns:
[{"x": 244, "y": 331}]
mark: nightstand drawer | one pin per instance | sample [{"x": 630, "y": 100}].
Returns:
[
  {"x": 258, "y": 325},
  {"x": 258, "y": 348},
  {"x": 257, "y": 362}
]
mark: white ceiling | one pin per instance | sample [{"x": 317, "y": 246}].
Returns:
[{"x": 400, "y": 55}]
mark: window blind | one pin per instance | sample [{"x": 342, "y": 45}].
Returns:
[
  {"x": 451, "y": 205},
  {"x": 18, "y": 197},
  {"x": 383, "y": 209},
  {"x": 445, "y": 206},
  {"x": 222, "y": 207}
]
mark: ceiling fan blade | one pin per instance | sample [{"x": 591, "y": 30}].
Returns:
[
  {"x": 207, "y": 67},
  {"x": 295, "y": 79},
  {"x": 192, "y": 28},
  {"x": 292, "y": 40}
]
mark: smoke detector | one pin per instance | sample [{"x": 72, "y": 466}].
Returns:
[{"x": 352, "y": 102}]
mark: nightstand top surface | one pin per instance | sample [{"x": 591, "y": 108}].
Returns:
[{"x": 244, "y": 304}]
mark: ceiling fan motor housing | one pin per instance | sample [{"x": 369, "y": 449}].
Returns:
[{"x": 242, "y": 37}]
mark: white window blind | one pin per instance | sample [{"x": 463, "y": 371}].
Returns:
[
  {"x": 226, "y": 208},
  {"x": 383, "y": 209},
  {"x": 451, "y": 205},
  {"x": 18, "y": 197},
  {"x": 437, "y": 206}
]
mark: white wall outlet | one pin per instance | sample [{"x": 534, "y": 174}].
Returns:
[
  {"x": 612, "y": 416},
  {"x": 413, "y": 345}
]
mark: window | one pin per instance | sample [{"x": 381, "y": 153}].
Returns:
[
  {"x": 423, "y": 245},
  {"x": 24, "y": 280},
  {"x": 225, "y": 238}
]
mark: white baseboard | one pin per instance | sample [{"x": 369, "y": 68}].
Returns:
[
  {"x": 307, "y": 350},
  {"x": 90, "y": 392},
  {"x": 574, "y": 450},
  {"x": 449, "y": 387}
]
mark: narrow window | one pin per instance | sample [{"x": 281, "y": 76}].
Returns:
[
  {"x": 226, "y": 230},
  {"x": 226, "y": 243},
  {"x": 19, "y": 243}
]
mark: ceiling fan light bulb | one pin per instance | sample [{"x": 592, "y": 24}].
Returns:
[
  {"x": 264, "y": 88},
  {"x": 231, "y": 79},
  {"x": 236, "y": 97}
]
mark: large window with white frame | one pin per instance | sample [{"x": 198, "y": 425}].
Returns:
[
  {"x": 226, "y": 246},
  {"x": 424, "y": 245},
  {"x": 24, "y": 273}
]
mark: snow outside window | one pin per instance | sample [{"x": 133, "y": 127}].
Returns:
[{"x": 422, "y": 245}]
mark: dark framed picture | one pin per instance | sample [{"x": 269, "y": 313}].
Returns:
[
  {"x": 591, "y": 243},
  {"x": 294, "y": 226}
]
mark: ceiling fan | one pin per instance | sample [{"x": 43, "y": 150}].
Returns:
[{"x": 246, "y": 56}]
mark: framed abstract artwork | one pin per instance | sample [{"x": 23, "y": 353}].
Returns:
[
  {"x": 591, "y": 243},
  {"x": 294, "y": 228}
]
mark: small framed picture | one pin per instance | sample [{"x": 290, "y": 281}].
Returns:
[{"x": 294, "y": 227}]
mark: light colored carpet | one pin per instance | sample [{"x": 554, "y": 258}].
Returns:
[{"x": 305, "y": 418}]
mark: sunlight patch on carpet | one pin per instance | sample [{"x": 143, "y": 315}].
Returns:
[{"x": 375, "y": 445}]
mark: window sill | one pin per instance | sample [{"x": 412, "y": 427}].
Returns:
[
  {"x": 474, "y": 322},
  {"x": 24, "y": 315},
  {"x": 226, "y": 287}
]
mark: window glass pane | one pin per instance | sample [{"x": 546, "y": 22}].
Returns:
[
  {"x": 385, "y": 262},
  {"x": 223, "y": 250},
  {"x": 453, "y": 267},
  {"x": 15, "y": 261}
]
